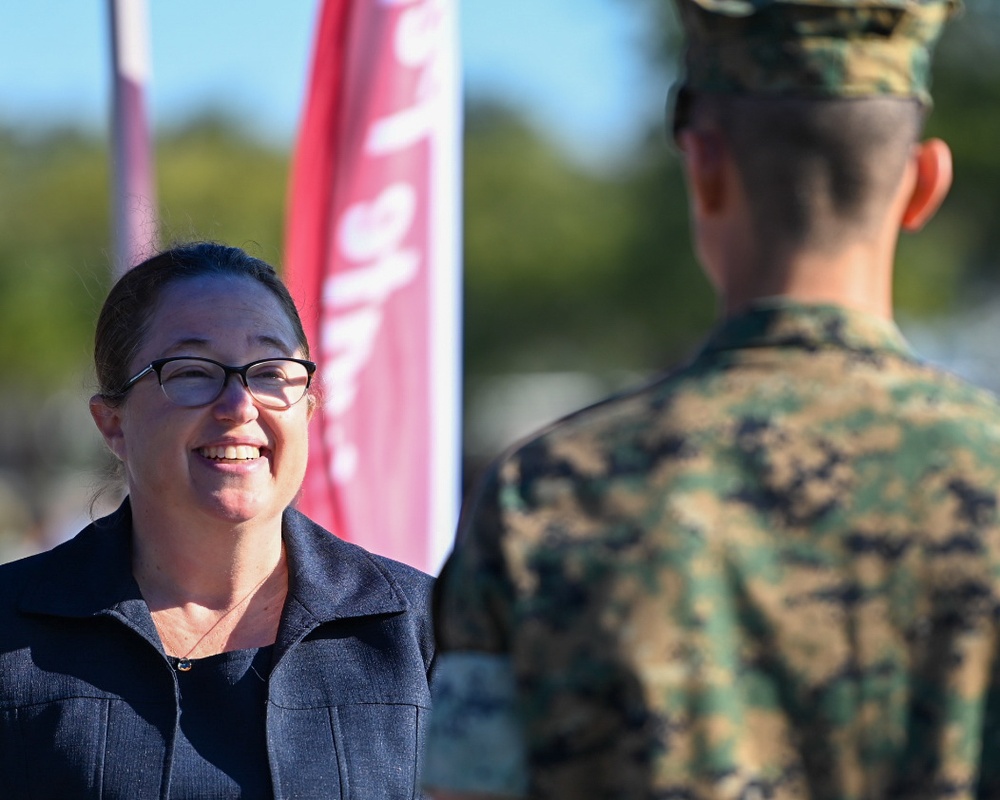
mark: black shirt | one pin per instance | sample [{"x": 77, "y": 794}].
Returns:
[{"x": 220, "y": 750}]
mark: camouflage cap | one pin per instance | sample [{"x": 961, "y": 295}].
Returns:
[{"x": 811, "y": 48}]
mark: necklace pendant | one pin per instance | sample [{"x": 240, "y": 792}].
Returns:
[{"x": 184, "y": 665}]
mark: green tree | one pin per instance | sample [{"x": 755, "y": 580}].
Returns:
[
  {"x": 956, "y": 259},
  {"x": 53, "y": 256},
  {"x": 216, "y": 183},
  {"x": 213, "y": 183}
]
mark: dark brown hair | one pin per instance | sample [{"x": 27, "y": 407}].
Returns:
[
  {"x": 818, "y": 171},
  {"x": 124, "y": 319}
]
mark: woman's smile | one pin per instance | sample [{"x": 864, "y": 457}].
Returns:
[{"x": 231, "y": 452}]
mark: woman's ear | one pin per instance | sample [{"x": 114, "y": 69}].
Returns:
[
  {"x": 108, "y": 419},
  {"x": 934, "y": 172}
]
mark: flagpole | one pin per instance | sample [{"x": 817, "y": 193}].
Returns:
[
  {"x": 134, "y": 222},
  {"x": 446, "y": 297}
]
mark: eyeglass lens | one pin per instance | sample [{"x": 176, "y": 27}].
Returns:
[{"x": 278, "y": 383}]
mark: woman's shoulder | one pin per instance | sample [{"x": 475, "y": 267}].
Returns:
[
  {"x": 337, "y": 580},
  {"x": 313, "y": 546},
  {"x": 416, "y": 583},
  {"x": 15, "y": 575},
  {"x": 80, "y": 570},
  {"x": 25, "y": 578}
]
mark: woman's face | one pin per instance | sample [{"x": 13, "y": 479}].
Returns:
[{"x": 171, "y": 454}]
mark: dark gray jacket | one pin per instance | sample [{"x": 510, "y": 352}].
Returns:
[{"x": 89, "y": 703}]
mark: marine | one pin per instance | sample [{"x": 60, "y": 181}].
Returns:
[{"x": 774, "y": 571}]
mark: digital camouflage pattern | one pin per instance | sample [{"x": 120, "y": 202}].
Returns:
[
  {"x": 772, "y": 574},
  {"x": 809, "y": 48}
]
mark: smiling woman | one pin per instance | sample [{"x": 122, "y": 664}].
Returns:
[{"x": 206, "y": 640}]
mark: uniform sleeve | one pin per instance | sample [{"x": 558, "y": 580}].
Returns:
[{"x": 475, "y": 738}]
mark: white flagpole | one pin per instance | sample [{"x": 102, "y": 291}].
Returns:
[
  {"x": 134, "y": 225},
  {"x": 446, "y": 300}
]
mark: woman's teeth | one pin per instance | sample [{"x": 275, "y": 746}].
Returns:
[{"x": 240, "y": 452}]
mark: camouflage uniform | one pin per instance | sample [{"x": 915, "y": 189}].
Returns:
[{"x": 773, "y": 573}]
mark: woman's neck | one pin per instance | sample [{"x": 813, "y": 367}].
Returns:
[
  {"x": 182, "y": 560},
  {"x": 213, "y": 591}
]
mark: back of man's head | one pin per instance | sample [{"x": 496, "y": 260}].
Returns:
[
  {"x": 820, "y": 102},
  {"x": 817, "y": 171}
]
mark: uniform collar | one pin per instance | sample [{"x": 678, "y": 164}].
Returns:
[{"x": 780, "y": 322}]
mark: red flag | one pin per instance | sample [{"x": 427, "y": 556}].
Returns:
[
  {"x": 134, "y": 218},
  {"x": 372, "y": 260}
]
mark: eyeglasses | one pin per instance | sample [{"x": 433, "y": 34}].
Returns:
[{"x": 190, "y": 382}]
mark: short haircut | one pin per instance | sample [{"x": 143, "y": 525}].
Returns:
[{"x": 819, "y": 172}]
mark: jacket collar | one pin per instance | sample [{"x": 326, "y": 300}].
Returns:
[
  {"x": 329, "y": 578},
  {"x": 779, "y": 322},
  {"x": 88, "y": 575}
]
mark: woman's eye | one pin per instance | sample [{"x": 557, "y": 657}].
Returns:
[{"x": 188, "y": 372}]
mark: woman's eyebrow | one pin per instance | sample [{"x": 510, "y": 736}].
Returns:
[
  {"x": 274, "y": 342},
  {"x": 200, "y": 343},
  {"x": 189, "y": 342}
]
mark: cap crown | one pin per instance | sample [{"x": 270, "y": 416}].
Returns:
[{"x": 812, "y": 48}]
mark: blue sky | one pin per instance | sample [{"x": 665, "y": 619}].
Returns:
[{"x": 575, "y": 67}]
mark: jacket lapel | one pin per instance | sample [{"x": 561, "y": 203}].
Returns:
[{"x": 330, "y": 579}]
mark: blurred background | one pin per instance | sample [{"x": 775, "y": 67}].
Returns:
[{"x": 579, "y": 277}]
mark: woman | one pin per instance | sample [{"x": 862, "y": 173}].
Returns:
[{"x": 205, "y": 640}]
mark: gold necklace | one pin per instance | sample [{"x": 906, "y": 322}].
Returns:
[{"x": 184, "y": 662}]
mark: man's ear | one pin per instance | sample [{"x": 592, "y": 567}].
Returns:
[
  {"x": 705, "y": 163},
  {"x": 934, "y": 173},
  {"x": 108, "y": 419}
]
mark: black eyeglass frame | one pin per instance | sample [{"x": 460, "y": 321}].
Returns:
[{"x": 158, "y": 365}]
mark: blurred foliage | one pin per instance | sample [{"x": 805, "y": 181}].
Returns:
[
  {"x": 53, "y": 258},
  {"x": 566, "y": 267},
  {"x": 215, "y": 183},
  {"x": 966, "y": 114},
  {"x": 55, "y": 236}
]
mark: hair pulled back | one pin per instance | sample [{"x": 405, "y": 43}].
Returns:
[{"x": 124, "y": 319}]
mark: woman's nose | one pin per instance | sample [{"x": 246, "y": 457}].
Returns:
[{"x": 235, "y": 402}]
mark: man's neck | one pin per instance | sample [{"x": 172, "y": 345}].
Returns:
[{"x": 859, "y": 278}]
